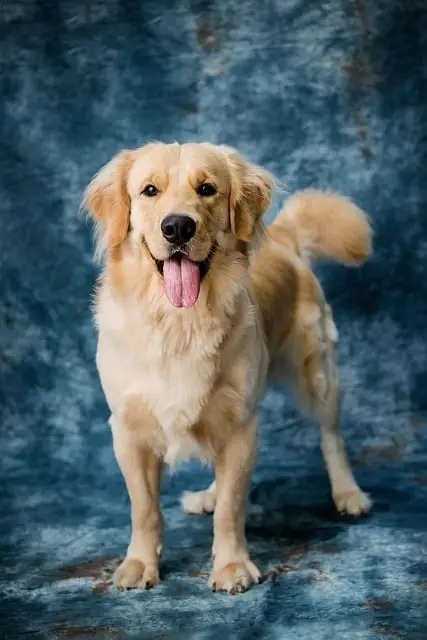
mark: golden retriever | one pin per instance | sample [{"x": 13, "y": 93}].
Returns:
[{"x": 198, "y": 306}]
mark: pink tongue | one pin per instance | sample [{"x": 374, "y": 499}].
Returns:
[{"x": 182, "y": 282}]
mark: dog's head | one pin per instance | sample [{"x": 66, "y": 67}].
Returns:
[{"x": 179, "y": 204}]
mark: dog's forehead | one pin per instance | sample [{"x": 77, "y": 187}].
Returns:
[
  {"x": 203, "y": 157},
  {"x": 177, "y": 160},
  {"x": 155, "y": 158}
]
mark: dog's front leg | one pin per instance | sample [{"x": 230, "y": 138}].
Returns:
[
  {"x": 141, "y": 469},
  {"x": 233, "y": 570}
]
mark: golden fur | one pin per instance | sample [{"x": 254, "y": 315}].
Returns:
[{"x": 186, "y": 382}]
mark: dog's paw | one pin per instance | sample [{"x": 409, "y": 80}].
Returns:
[
  {"x": 235, "y": 577},
  {"x": 353, "y": 503},
  {"x": 198, "y": 502},
  {"x": 134, "y": 574}
]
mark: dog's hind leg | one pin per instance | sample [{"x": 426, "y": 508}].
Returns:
[
  {"x": 200, "y": 502},
  {"x": 316, "y": 384}
]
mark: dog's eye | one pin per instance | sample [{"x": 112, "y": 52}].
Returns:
[
  {"x": 150, "y": 190},
  {"x": 205, "y": 189}
]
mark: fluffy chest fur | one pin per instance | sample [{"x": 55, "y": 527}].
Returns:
[
  {"x": 164, "y": 370},
  {"x": 176, "y": 389}
]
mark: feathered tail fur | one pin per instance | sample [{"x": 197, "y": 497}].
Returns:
[{"x": 328, "y": 225}]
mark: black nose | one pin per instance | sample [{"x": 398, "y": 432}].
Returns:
[{"x": 178, "y": 229}]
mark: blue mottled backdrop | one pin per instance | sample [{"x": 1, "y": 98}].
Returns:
[{"x": 324, "y": 93}]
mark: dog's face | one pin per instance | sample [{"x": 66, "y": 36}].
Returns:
[{"x": 180, "y": 204}]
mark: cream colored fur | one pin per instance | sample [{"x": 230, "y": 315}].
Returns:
[{"x": 186, "y": 382}]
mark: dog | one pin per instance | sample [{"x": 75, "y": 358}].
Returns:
[{"x": 198, "y": 307}]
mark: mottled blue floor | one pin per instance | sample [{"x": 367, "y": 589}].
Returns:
[{"x": 330, "y": 94}]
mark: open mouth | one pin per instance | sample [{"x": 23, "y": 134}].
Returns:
[{"x": 182, "y": 277}]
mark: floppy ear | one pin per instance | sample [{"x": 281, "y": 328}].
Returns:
[
  {"x": 251, "y": 191},
  {"x": 107, "y": 199}
]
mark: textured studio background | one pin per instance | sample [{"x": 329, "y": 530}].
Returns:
[{"x": 328, "y": 93}]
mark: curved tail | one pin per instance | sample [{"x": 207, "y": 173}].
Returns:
[{"x": 328, "y": 225}]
